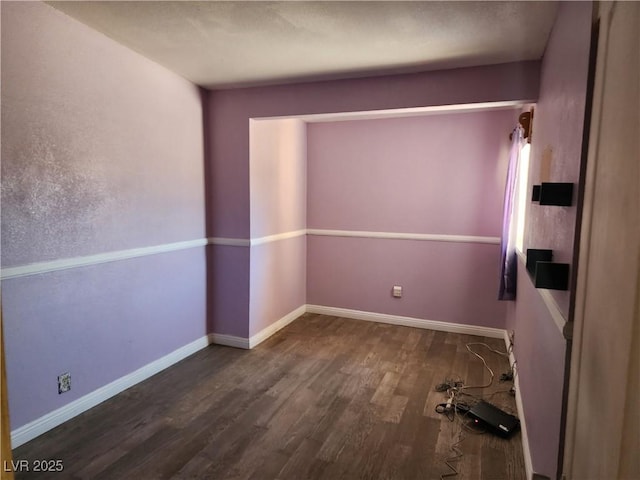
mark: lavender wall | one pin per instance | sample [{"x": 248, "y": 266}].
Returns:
[
  {"x": 278, "y": 182},
  {"x": 441, "y": 173},
  {"x": 102, "y": 150},
  {"x": 228, "y": 290},
  {"x": 557, "y": 132},
  {"x": 99, "y": 323},
  {"x": 540, "y": 352},
  {"x": 227, "y": 130},
  {"x": 436, "y": 174},
  {"x": 441, "y": 281},
  {"x": 229, "y": 112},
  {"x": 555, "y": 156}
]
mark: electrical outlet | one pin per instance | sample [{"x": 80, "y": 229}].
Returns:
[
  {"x": 396, "y": 291},
  {"x": 64, "y": 382}
]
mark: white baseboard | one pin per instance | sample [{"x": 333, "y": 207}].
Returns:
[
  {"x": 528, "y": 463},
  {"x": 261, "y": 336},
  {"x": 407, "y": 321},
  {"x": 265, "y": 333},
  {"x": 51, "y": 420},
  {"x": 229, "y": 340}
]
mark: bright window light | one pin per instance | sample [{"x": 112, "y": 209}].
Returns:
[{"x": 523, "y": 177}]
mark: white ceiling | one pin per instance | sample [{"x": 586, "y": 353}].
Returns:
[{"x": 221, "y": 44}]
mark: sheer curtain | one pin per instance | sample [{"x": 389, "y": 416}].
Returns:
[{"x": 509, "y": 259}]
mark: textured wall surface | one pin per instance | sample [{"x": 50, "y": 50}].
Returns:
[
  {"x": 99, "y": 323},
  {"x": 102, "y": 150},
  {"x": 555, "y": 156},
  {"x": 436, "y": 174},
  {"x": 557, "y": 132},
  {"x": 278, "y": 168},
  {"x": 540, "y": 351}
]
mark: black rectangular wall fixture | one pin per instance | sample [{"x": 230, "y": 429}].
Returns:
[
  {"x": 554, "y": 276},
  {"x": 560, "y": 194},
  {"x": 535, "y": 255},
  {"x": 535, "y": 196}
]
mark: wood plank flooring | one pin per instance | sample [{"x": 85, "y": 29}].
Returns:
[{"x": 324, "y": 398}]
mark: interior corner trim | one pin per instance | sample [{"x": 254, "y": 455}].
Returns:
[
  {"x": 432, "y": 237},
  {"x": 67, "y": 263}
]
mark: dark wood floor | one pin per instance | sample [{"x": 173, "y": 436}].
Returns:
[{"x": 325, "y": 398}]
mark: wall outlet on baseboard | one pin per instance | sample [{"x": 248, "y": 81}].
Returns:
[
  {"x": 512, "y": 338},
  {"x": 396, "y": 291},
  {"x": 64, "y": 382}
]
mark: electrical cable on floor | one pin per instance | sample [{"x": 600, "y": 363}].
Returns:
[
  {"x": 484, "y": 362},
  {"x": 456, "y": 388},
  {"x": 458, "y": 454}
]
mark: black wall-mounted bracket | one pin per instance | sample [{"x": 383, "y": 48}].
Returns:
[
  {"x": 544, "y": 272},
  {"x": 558, "y": 194},
  {"x": 554, "y": 276},
  {"x": 535, "y": 196},
  {"x": 535, "y": 255}
]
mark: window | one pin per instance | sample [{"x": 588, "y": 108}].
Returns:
[{"x": 521, "y": 195}]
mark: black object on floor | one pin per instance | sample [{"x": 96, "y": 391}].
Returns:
[{"x": 493, "y": 419}]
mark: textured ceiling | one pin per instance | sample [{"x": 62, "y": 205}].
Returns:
[{"x": 221, "y": 44}]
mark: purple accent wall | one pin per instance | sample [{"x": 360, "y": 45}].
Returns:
[
  {"x": 555, "y": 156},
  {"x": 102, "y": 150},
  {"x": 228, "y": 288},
  {"x": 441, "y": 281},
  {"x": 440, "y": 174},
  {"x": 229, "y": 113},
  {"x": 435, "y": 174},
  {"x": 557, "y": 132}
]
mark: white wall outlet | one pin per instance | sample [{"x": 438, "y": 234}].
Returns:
[
  {"x": 64, "y": 382},
  {"x": 396, "y": 291}
]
